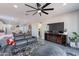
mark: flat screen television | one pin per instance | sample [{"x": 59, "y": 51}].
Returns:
[{"x": 56, "y": 27}]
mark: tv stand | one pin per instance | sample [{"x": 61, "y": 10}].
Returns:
[{"x": 56, "y": 38}]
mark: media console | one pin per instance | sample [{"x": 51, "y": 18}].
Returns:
[{"x": 57, "y": 38}]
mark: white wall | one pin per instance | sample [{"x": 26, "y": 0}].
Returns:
[
  {"x": 78, "y": 21},
  {"x": 70, "y": 22}
]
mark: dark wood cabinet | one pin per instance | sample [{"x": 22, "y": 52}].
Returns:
[{"x": 57, "y": 38}]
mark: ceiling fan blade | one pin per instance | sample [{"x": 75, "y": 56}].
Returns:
[
  {"x": 38, "y": 5},
  {"x": 40, "y": 14},
  {"x": 35, "y": 13},
  {"x": 45, "y": 5},
  {"x": 48, "y": 9},
  {"x": 30, "y": 6},
  {"x": 30, "y": 10},
  {"x": 44, "y": 12}
]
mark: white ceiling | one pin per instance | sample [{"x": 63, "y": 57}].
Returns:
[{"x": 8, "y": 11}]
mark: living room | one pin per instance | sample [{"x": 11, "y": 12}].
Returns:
[{"x": 39, "y": 32}]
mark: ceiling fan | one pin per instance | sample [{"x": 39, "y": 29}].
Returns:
[{"x": 40, "y": 9}]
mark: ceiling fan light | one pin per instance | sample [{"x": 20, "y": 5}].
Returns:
[{"x": 39, "y": 11}]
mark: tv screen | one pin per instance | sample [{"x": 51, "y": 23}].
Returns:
[{"x": 56, "y": 27}]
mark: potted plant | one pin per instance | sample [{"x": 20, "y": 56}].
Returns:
[{"x": 74, "y": 39}]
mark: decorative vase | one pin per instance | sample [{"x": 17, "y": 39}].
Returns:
[{"x": 72, "y": 44}]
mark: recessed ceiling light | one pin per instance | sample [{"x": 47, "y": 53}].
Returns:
[
  {"x": 15, "y": 6},
  {"x": 64, "y": 4}
]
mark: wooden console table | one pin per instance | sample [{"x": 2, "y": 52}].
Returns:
[{"x": 57, "y": 38}]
